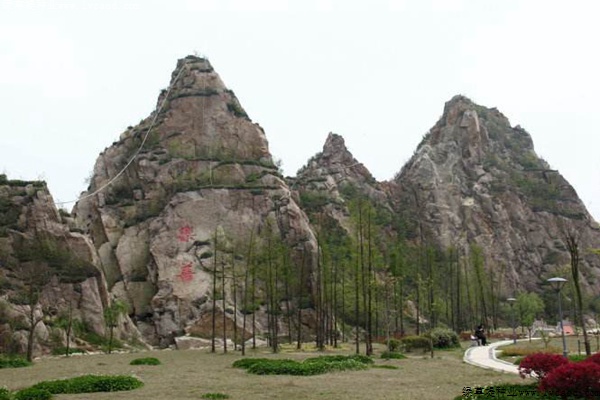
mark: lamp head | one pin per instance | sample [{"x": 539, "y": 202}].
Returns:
[{"x": 557, "y": 283}]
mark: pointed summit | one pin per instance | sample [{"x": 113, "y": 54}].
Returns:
[
  {"x": 198, "y": 165},
  {"x": 475, "y": 179}
]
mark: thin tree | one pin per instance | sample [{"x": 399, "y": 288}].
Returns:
[
  {"x": 572, "y": 242},
  {"x": 112, "y": 313},
  {"x": 213, "y": 333},
  {"x": 34, "y": 276}
]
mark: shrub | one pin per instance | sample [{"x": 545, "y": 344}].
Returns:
[
  {"x": 4, "y": 392},
  {"x": 595, "y": 358},
  {"x": 310, "y": 366},
  {"x": 580, "y": 379},
  {"x": 13, "y": 362},
  {"x": 540, "y": 364},
  {"x": 145, "y": 361},
  {"x": 59, "y": 351},
  {"x": 33, "y": 394},
  {"x": 246, "y": 363},
  {"x": 394, "y": 345},
  {"x": 444, "y": 338},
  {"x": 577, "y": 357},
  {"x": 392, "y": 354},
  {"x": 416, "y": 342},
  {"x": 90, "y": 384}
]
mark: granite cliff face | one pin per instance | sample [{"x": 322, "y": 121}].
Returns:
[
  {"x": 37, "y": 245},
  {"x": 333, "y": 178},
  {"x": 193, "y": 188},
  {"x": 474, "y": 179},
  {"x": 204, "y": 176}
]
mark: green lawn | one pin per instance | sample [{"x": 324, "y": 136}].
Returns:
[{"x": 192, "y": 374}]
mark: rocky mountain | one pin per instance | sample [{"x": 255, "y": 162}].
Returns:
[
  {"x": 475, "y": 179},
  {"x": 202, "y": 183},
  {"x": 332, "y": 178},
  {"x": 48, "y": 274},
  {"x": 190, "y": 196}
]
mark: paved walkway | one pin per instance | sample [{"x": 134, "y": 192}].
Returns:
[{"x": 485, "y": 357}]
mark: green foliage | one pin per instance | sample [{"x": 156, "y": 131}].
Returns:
[
  {"x": 387, "y": 355},
  {"x": 411, "y": 343},
  {"x": 61, "y": 350},
  {"x": 394, "y": 345},
  {"x": 529, "y": 306},
  {"x": 313, "y": 201},
  {"x": 145, "y": 361},
  {"x": 237, "y": 110},
  {"x": 444, "y": 338},
  {"x": 13, "y": 362},
  {"x": 4, "y": 392},
  {"x": 310, "y": 366},
  {"x": 215, "y": 396},
  {"x": 90, "y": 384},
  {"x": 68, "y": 267},
  {"x": 33, "y": 394}
]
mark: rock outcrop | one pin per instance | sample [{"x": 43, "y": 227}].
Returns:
[
  {"x": 333, "y": 178},
  {"x": 48, "y": 266},
  {"x": 201, "y": 184},
  {"x": 474, "y": 179}
]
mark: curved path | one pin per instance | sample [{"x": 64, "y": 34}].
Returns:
[{"x": 485, "y": 357}]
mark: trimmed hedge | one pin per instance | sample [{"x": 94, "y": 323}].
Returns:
[
  {"x": 145, "y": 361},
  {"x": 13, "y": 362},
  {"x": 90, "y": 384},
  {"x": 310, "y": 366}
]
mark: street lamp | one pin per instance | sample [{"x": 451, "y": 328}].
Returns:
[
  {"x": 557, "y": 284},
  {"x": 511, "y": 301}
]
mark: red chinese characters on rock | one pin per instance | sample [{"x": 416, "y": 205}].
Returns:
[
  {"x": 185, "y": 233},
  {"x": 187, "y": 273}
]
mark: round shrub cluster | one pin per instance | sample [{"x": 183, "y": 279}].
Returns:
[
  {"x": 538, "y": 365},
  {"x": 579, "y": 380},
  {"x": 444, "y": 338},
  {"x": 145, "y": 361},
  {"x": 411, "y": 343}
]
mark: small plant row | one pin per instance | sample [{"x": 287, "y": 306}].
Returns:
[
  {"x": 145, "y": 361},
  {"x": 13, "y": 362},
  {"x": 80, "y": 384},
  {"x": 308, "y": 367}
]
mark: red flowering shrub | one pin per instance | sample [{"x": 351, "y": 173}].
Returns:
[
  {"x": 538, "y": 365},
  {"x": 595, "y": 358},
  {"x": 579, "y": 380}
]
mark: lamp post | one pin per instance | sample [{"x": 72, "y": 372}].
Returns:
[
  {"x": 511, "y": 301},
  {"x": 557, "y": 284}
]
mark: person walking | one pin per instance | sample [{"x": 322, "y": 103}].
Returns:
[{"x": 480, "y": 335}]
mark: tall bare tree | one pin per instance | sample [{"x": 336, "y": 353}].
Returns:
[{"x": 572, "y": 242}]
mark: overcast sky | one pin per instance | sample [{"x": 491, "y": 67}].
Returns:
[{"x": 75, "y": 74}]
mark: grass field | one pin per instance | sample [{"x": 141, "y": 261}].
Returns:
[{"x": 190, "y": 374}]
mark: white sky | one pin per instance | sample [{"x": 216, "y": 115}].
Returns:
[{"x": 74, "y": 74}]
